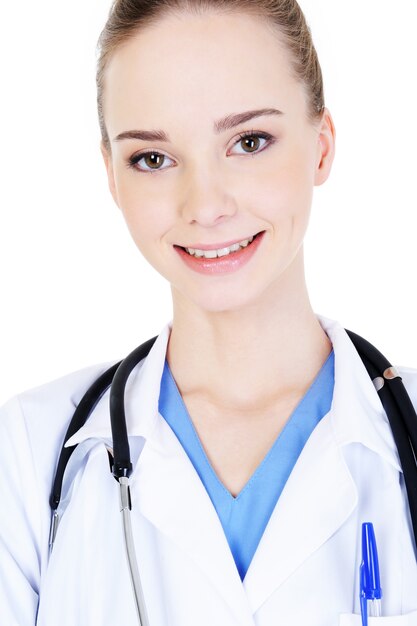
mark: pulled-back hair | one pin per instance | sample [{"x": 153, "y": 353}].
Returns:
[{"x": 285, "y": 17}]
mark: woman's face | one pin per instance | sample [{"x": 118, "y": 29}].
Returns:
[{"x": 202, "y": 185}]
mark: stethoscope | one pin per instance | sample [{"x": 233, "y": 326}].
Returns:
[{"x": 388, "y": 383}]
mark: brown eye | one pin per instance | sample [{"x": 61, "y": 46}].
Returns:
[
  {"x": 251, "y": 142},
  {"x": 152, "y": 161}
]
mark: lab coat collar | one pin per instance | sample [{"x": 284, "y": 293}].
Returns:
[
  {"x": 357, "y": 414},
  {"x": 141, "y": 398}
]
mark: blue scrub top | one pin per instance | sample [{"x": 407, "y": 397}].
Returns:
[{"x": 244, "y": 517}]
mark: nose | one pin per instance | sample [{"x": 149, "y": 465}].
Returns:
[{"x": 207, "y": 200}]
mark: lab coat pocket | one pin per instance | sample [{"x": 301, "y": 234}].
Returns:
[{"x": 350, "y": 619}]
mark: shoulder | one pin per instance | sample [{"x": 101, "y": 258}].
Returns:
[
  {"x": 45, "y": 403},
  {"x": 33, "y": 423}
]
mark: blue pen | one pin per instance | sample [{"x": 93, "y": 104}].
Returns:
[{"x": 369, "y": 582}]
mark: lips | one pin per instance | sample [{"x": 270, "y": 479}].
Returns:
[{"x": 223, "y": 264}]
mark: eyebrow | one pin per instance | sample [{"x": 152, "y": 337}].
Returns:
[{"x": 226, "y": 123}]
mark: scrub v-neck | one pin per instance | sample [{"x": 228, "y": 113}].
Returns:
[{"x": 244, "y": 517}]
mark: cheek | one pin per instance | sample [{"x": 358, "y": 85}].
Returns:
[
  {"x": 142, "y": 211},
  {"x": 299, "y": 189},
  {"x": 284, "y": 191}
]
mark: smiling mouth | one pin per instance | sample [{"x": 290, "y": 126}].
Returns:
[{"x": 220, "y": 252}]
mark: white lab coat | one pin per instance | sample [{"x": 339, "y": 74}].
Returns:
[{"x": 305, "y": 570}]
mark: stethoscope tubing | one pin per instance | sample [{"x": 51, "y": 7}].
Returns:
[
  {"x": 122, "y": 465},
  {"x": 401, "y": 416},
  {"x": 125, "y": 507}
]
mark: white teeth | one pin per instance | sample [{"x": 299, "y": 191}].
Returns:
[{"x": 212, "y": 254}]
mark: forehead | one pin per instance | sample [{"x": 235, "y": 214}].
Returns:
[{"x": 211, "y": 64}]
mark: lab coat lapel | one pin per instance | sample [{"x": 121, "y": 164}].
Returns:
[
  {"x": 320, "y": 493},
  {"x": 171, "y": 496},
  {"x": 318, "y": 497}
]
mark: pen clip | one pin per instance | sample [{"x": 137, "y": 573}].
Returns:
[{"x": 362, "y": 595}]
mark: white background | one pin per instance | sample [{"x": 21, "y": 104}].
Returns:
[{"x": 75, "y": 290}]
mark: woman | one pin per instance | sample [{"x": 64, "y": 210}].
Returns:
[{"x": 259, "y": 444}]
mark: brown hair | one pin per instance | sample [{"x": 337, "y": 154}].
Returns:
[{"x": 285, "y": 17}]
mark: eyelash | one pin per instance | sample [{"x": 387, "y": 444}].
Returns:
[{"x": 135, "y": 158}]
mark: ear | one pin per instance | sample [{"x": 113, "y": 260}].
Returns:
[
  {"x": 326, "y": 146},
  {"x": 110, "y": 173}
]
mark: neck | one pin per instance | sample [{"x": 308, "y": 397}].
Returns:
[{"x": 248, "y": 359}]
